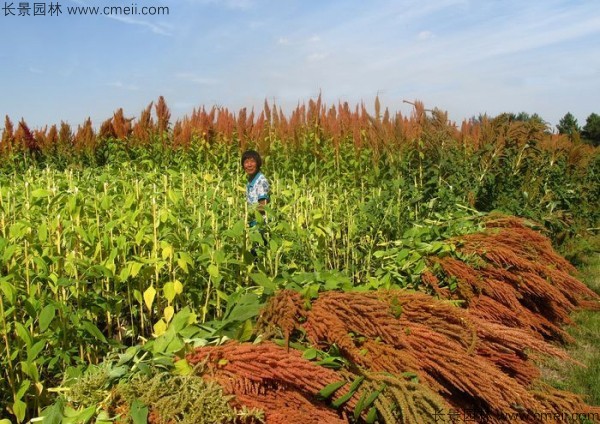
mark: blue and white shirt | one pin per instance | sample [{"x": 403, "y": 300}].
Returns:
[{"x": 257, "y": 189}]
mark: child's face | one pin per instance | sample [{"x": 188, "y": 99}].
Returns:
[{"x": 250, "y": 166}]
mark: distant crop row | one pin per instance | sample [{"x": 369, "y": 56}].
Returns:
[
  {"x": 492, "y": 163},
  {"x": 335, "y": 126}
]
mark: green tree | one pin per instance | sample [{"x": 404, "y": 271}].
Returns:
[
  {"x": 591, "y": 130},
  {"x": 568, "y": 125},
  {"x": 525, "y": 117}
]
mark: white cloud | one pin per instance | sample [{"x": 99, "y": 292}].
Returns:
[
  {"x": 157, "y": 29},
  {"x": 535, "y": 36},
  {"x": 316, "y": 57},
  {"x": 425, "y": 35},
  {"x": 285, "y": 41}
]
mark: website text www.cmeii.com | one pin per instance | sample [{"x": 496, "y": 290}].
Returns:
[
  {"x": 456, "y": 416},
  {"x": 24, "y": 9}
]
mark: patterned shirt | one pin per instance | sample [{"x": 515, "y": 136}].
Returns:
[{"x": 257, "y": 189}]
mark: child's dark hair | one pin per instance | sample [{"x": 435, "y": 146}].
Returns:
[{"x": 254, "y": 155}]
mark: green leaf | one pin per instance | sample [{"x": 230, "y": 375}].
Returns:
[
  {"x": 23, "y": 333},
  {"x": 128, "y": 355},
  {"x": 25, "y": 385},
  {"x": 78, "y": 417},
  {"x": 140, "y": 236},
  {"x": 256, "y": 237},
  {"x": 168, "y": 313},
  {"x": 414, "y": 377},
  {"x": 137, "y": 296},
  {"x": 116, "y": 373},
  {"x": 421, "y": 265},
  {"x": 353, "y": 388},
  {"x": 371, "y": 416},
  {"x": 366, "y": 401},
  {"x": 184, "y": 260},
  {"x": 333, "y": 362},
  {"x": 182, "y": 367},
  {"x": 222, "y": 295},
  {"x": 9, "y": 251},
  {"x": 149, "y": 295},
  {"x": 213, "y": 271},
  {"x": 175, "y": 345},
  {"x": 327, "y": 391},
  {"x": 310, "y": 354},
  {"x": 359, "y": 406},
  {"x": 102, "y": 418},
  {"x": 9, "y": 291},
  {"x": 242, "y": 312},
  {"x": 402, "y": 254},
  {"x": 124, "y": 274},
  {"x": 30, "y": 369},
  {"x": 46, "y": 317},
  {"x": 145, "y": 368},
  {"x": 169, "y": 291},
  {"x": 159, "y": 328},
  {"x": 42, "y": 233},
  {"x": 379, "y": 254},
  {"x": 437, "y": 246},
  {"x": 167, "y": 250},
  {"x": 139, "y": 412},
  {"x": 182, "y": 319},
  {"x": 19, "y": 409},
  {"x": 41, "y": 266},
  {"x": 178, "y": 287},
  {"x": 83, "y": 234},
  {"x": 237, "y": 230},
  {"x": 245, "y": 331},
  {"x": 40, "y": 192},
  {"x": 35, "y": 350},
  {"x": 134, "y": 268},
  {"x": 264, "y": 281},
  {"x": 220, "y": 257},
  {"x": 53, "y": 414},
  {"x": 94, "y": 331}
]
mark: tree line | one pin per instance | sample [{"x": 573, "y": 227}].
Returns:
[
  {"x": 589, "y": 133},
  {"x": 568, "y": 125}
]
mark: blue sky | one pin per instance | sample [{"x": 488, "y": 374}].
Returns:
[{"x": 464, "y": 56}]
